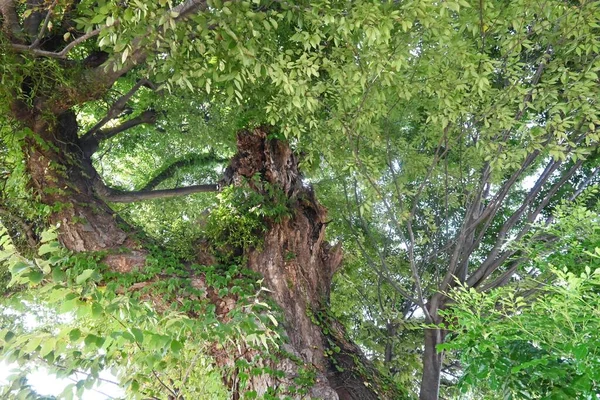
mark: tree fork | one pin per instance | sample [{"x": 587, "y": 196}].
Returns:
[{"x": 64, "y": 176}]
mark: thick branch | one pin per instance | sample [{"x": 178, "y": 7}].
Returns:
[
  {"x": 90, "y": 143},
  {"x": 10, "y": 23},
  {"x": 169, "y": 171}
]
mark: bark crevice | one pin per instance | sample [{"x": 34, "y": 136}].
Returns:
[
  {"x": 298, "y": 264},
  {"x": 296, "y": 261}
]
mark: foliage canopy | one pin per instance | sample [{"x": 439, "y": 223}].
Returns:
[{"x": 454, "y": 143}]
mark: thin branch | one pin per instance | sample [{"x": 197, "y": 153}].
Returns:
[
  {"x": 90, "y": 144},
  {"x": 61, "y": 54},
  {"x": 387, "y": 274},
  {"x": 491, "y": 263},
  {"x": 79, "y": 40},
  {"x": 78, "y": 371},
  {"x": 534, "y": 191},
  {"x": 117, "y": 108},
  {"x": 109, "y": 397},
  {"x": 172, "y": 391},
  {"x": 169, "y": 171},
  {"x": 190, "y": 367},
  {"x": 506, "y": 275},
  {"x": 414, "y": 271},
  {"x": 42, "y": 32},
  {"x": 139, "y": 346},
  {"x": 106, "y": 74},
  {"x": 373, "y": 264},
  {"x": 493, "y": 206},
  {"x": 147, "y": 117},
  {"x": 118, "y": 196},
  {"x": 585, "y": 184}
]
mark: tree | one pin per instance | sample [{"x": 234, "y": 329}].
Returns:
[
  {"x": 536, "y": 344},
  {"x": 485, "y": 138},
  {"x": 63, "y": 63},
  {"x": 429, "y": 115}
]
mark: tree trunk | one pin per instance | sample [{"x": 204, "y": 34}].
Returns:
[
  {"x": 432, "y": 359},
  {"x": 63, "y": 176},
  {"x": 297, "y": 265},
  {"x": 432, "y": 365}
]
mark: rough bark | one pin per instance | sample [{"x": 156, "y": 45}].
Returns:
[
  {"x": 59, "y": 165},
  {"x": 63, "y": 179},
  {"x": 297, "y": 265},
  {"x": 62, "y": 174}
]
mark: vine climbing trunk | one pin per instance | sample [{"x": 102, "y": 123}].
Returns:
[
  {"x": 63, "y": 178},
  {"x": 298, "y": 264},
  {"x": 295, "y": 260}
]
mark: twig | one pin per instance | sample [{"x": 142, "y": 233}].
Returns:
[
  {"x": 116, "y": 108},
  {"x": 42, "y": 32},
  {"x": 61, "y": 54}
]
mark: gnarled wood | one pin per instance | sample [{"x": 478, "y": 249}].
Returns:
[
  {"x": 298, "y": 265},
  {"x": 295, "y": 260}
]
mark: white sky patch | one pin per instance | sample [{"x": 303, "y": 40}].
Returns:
[{"x": 48, "y": 385}]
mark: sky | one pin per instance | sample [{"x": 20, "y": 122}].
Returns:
[{"x": 48, "y": 385}]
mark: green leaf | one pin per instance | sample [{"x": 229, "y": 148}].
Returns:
[
  {"x": 580, "y": 352},
  {"x": 138, "y": 334},
  {"x": 84, "y": 276},
  {"x": 47, "y": 346},
  {"x": 46, "y": 248},
  {"x": 9, "y": 335},
  {"x": 97, "y": 310},
  {"x": 19, "y": 267},
  {"x": 35, "y": 277},
  {"x": 176, "y": 346},
  {"x": 48, "y": 236},
  {"x": 74, "y": 335},
  {"x": 58, "y": 275},
  {"x": 68, "y": 306}
]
